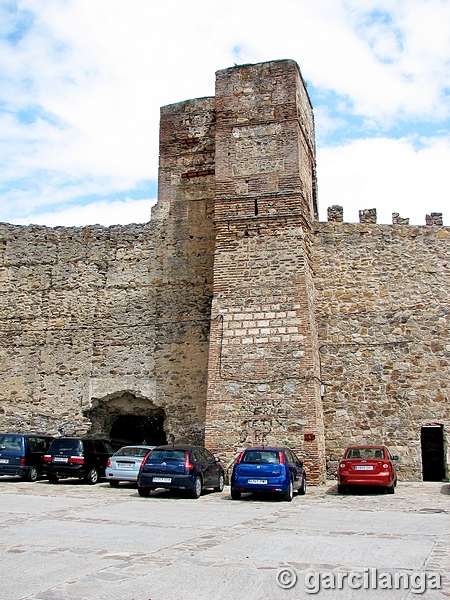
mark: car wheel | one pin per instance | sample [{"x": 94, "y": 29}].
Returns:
[
  {"x": 289, "y": 494},
  {"x": 144, "y": 492},
  {"x": 114, "y": 483},
  {"x": 197, "y": 489},
  {"x": 391, "y": 489},
  {"x": 341, "y": 489},
  {"x": 395, "y": 483},
  {"x": 219, "y": 488},
  {"x": 302, "y": 488},
  {"x": 92, "y": 477},
  {"x": 32, "y": 474},
  {"x": 235, "y": 494}
]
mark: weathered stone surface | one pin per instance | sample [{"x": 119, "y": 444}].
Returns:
[
  {"x": 335, "y": 213},
  {"x": 434, "y": 219},
  {"x": 382, "y": 307},
  {"x": 318, "y": 335}
]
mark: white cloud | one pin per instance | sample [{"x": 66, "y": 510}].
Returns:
[
  {"x": 390, "y": 175},
  {"x": 102, "y": 213},
  {"x": 96, "y": 73}
]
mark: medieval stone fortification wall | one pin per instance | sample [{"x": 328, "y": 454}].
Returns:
[
  {"x": 383, "y": 313},
  {"x": 233, "y": 317}
]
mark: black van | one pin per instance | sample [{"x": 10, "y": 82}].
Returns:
[
  {"x": 23, "y": 454},
  {"x": 81, "y": 457}
]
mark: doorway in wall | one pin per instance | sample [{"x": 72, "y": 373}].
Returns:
[
  {"x": 127, "y": 419},
  {"x": 432, "y": 445},
  {"x": 138, "y": 429}
]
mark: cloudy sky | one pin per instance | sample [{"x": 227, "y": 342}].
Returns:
[{"x": 82, "y": 82}]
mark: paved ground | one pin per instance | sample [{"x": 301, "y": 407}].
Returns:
[{"x": 78, "y": 542}]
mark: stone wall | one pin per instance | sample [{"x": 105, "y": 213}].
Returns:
[
  {"x": 383, "y": 312},
  {"x": 318, "y": 335},
  {"x": 77, "y": 322},
  {"x": 104, "y": 323}
]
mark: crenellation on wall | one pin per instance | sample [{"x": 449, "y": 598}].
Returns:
[
  {"x": 434, "y": 219},
  {"x": 335, "y": 213},
  {"x": 368, "y": 215},
  {"x": 398, "y": 220}
]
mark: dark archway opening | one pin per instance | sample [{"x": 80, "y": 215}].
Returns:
[
  {"x": 133, "y": 429},
  {"x": 126, "y": 419},
  {"x": 432, "y": 445}
]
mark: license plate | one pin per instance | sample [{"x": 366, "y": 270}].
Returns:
[
  {"x": 4, "y": 461},
  {"x": 364, "y": 468},
  {"x": 124, "y": 465},
  {"x": 60, "y": 459},
  {"x": 162, "y": 479},
  {"x": 258, "y": 481}
]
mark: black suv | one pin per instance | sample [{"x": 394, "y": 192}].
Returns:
[
  {"x": 23, "y": 454},
  {"x": 82, "y": 457}
]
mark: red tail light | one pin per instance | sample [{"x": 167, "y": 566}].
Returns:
[
  {"x": 23, "y": 462},
  {"x": 108, "y": 462},
  {"x": 188, "y": 466},
  {"x": 241, "y": 455},
  {"x": 281, "y": 458},
  {"x": 145, "y": 457},
  {"x": 76, "y": 460},
  {"x": 47, "y": 458}
]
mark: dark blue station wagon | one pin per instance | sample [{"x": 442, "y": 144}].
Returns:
[{"x": 182, "y": 467}]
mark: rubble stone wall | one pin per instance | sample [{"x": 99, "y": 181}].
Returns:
[
  {"x": 383, "y": 312},
  {"x": 318, "y": 335}
]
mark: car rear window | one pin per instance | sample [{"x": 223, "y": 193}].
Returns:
[
  {"x": 365, "y": 453},
  {"x": 132, "y": 451},
  {"x": 62, "y": 445},
  {"x": 158, "y": 455},
  {"x": 11, "y": 442},
  {"x": 261, "y": 457}
]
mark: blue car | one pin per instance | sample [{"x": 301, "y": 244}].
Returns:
[
  {"x": 23, "y": 454},
  {"x": 270, "y": 470},
  {"x": 180, "y": 467}
]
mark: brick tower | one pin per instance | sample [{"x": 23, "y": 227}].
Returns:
[{"x": 264, "y": 370}]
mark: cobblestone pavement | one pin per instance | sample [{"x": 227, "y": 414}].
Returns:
[{"x": 79, "y": 542}]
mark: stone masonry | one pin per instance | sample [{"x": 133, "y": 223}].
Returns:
[{"x": 233, "y": 317}]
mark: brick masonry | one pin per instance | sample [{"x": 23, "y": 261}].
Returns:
[{"x": 234, "y": 315}]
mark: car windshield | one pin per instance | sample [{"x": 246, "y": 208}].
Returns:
[
  {"x": 261, "y": 457},
  {"x": 132, "y": 451},
  {"x": 158, "y": 455},
  {"x": 365, "y": 453},
  {"x": 10, "y": 442},
  {"x": 63, "y": 445}
]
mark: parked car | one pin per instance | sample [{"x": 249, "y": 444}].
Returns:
[
  {"x": 367, "y": 466},
  {"x": 124, "y": 465},
  {"x": 81, "y": 457},
  {"x": 23, "y": 454},
  {"x": 182, "y": 467},
  {"x": 275, "y": 470}
]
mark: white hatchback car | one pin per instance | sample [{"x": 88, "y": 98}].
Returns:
[{"x": 124, "y": 464}]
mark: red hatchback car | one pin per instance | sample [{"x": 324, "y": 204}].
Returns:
[{"x": 367, "y": 466}]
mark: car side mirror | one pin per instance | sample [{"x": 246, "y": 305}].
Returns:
[
  {"x": 395, "y": 457},
  {"x": 300, "y": 463}
]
